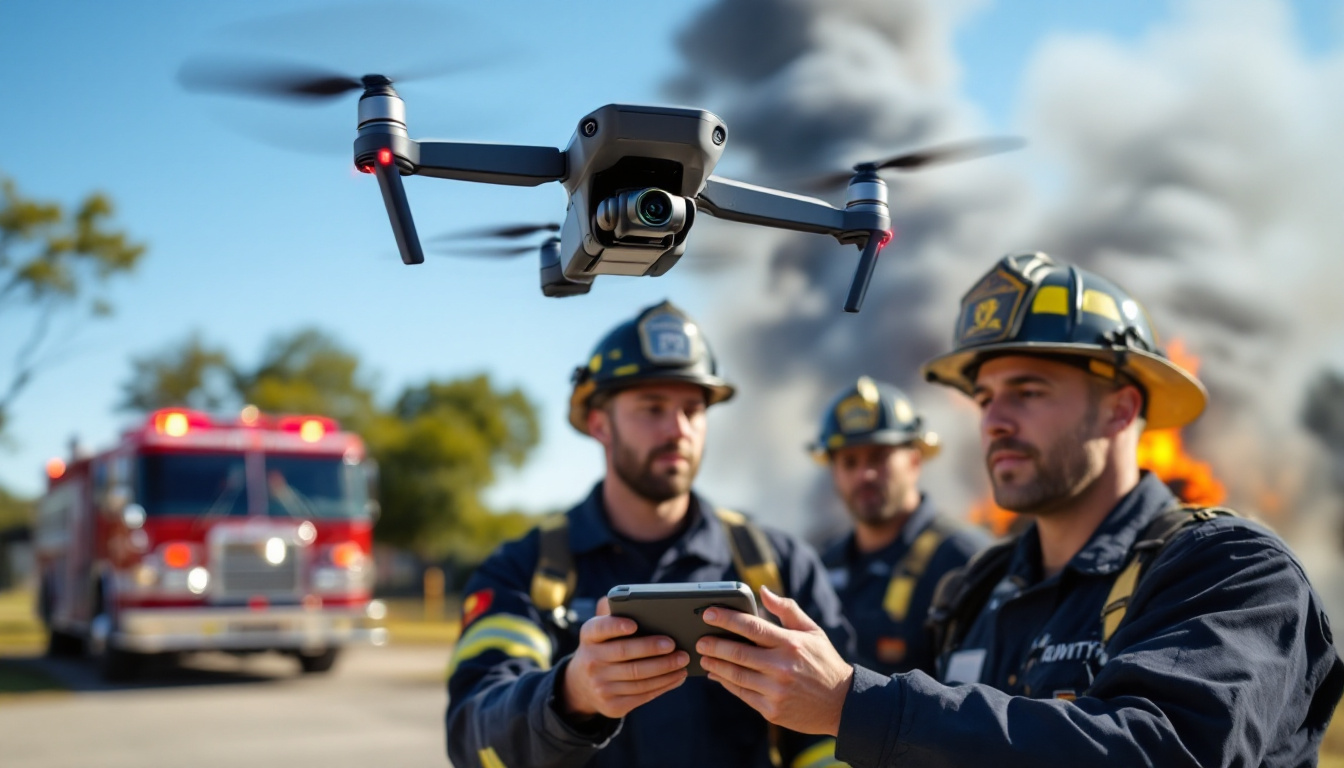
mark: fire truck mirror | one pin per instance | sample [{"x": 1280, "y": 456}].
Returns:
[{"x": 133, "y": 515}]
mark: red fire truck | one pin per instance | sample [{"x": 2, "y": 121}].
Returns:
[{"x": 199, "y": 533}]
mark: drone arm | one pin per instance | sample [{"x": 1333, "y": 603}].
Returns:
[
  {"x": 399, "y": 211},
  {"x": 736, "y": 201},
  {"x": 863, "y": 274},
  {"x": 514, "y": 165}
]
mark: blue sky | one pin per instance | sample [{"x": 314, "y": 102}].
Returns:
[{"x": 248, "y": 239}]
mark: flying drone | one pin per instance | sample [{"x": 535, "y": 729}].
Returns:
[{"x": 637, "y": 177}]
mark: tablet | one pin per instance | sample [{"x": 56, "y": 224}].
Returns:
[{"x": 674, "y": 610}]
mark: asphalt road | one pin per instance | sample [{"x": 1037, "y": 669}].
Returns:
[{"x": 378, "y": 707}]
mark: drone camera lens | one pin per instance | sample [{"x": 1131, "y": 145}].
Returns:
[{"x": 654, "y": 207}]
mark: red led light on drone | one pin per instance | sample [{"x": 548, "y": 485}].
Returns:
[
  {"x": 886, "y": 238},
  {"x": 385, "y": 156}
]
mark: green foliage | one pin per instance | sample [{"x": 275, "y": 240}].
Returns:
[
  {"x": 14, "y": 511},
  {"x": 49, "y": 260},
  {"x": 438, "y": 447}
]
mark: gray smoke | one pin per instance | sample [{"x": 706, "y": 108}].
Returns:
[{"x": 1199, "y": 168}]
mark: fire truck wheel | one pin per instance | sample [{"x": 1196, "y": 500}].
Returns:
[
  {"x": 117, "y": 665},
  {"x": 63, "y": 645},
  {"x": 318, "y": 662}
]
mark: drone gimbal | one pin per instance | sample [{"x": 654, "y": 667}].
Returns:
[{"x": 636, "y": 178}]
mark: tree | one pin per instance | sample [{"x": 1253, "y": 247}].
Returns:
[
  {"x": 14, "y": 511},
  {"x": 438, "y": 446},
  {"x": 438, "y": 449},
  {"x": 50, "y": 260}
]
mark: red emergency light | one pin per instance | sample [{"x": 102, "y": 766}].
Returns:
[
  {"x": 177, "y": 422},
  {"x": 309, "y": 428}
]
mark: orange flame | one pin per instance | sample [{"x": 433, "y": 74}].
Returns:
[
  {"x": 1162, "y": 451},
  {"x": 993, "y": 518}
]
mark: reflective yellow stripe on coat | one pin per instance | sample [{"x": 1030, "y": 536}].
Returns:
[
  {"x": 819, "y": 755},
  {"x": 514, "y": 635}
]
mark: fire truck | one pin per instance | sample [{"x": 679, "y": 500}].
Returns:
[{"x": 201, "y": 533}]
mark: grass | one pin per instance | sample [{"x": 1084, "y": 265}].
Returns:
[
  {"x": 18, "y": 677},
  {"x": 20, "y": 632}
]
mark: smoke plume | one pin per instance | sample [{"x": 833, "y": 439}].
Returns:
[{"x": 1198, "y": 167}]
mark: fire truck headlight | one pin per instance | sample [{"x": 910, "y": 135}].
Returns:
[
  {"x": 274, "y": 551},
  {"x": 197, "y": 580},
  {"x": 376, "y": 610}
]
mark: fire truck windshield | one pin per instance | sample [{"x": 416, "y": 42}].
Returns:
[
  {"x": 312, "y": 486},
  {"x": 216, "y": 484}
]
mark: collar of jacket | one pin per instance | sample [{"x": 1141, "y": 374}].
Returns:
[
  {"x": 919, "y": 519},
  {"x": 705, "y": 538},
  {"x": 1108, "y": 549}
]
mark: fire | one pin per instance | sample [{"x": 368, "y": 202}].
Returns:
[
  {"x": 1162, "y": 451},
  {"x": 993, "y": 518}
]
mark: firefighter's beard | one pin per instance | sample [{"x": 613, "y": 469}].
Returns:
[
  {"x": 1056, "y": 474},
  {"x": 877, "y": 503},
  {"x": 657, "y": 484}
]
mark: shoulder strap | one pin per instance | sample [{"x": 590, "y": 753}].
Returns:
[
  {"x": 752, "y": 554},
  {"x": 962, "y": 592},
  {"x": 1151, "y": 543},
  {"x": 554, "y": 579},
  {"x": 754, "y": 559},
  {"x": 905, "y": 576}
]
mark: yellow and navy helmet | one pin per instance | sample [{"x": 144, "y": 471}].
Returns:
[
  {"x": 871, "y": 413},
  {"x": 1028, "y": 304},
  {"x": 661, "y": 344}
]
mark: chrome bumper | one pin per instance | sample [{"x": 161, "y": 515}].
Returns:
[{"x": 156, "y": 630}]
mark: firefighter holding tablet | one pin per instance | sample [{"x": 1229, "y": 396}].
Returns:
[{"x": 543, "y": 675}]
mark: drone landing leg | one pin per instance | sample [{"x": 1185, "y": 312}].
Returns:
[
  {"x": 399, "y": 211},
  {"x": 864, "y": 273}
]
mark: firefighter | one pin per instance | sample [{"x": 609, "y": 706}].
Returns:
[
  {"x": 542, "y": 674},
  {"x": 886, "y": 568},
  {"x": 1119, "y": 628}
]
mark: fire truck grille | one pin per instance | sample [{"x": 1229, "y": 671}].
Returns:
[{"x": 246, "y": 571}]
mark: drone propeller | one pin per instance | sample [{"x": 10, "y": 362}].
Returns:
[
  {"x": 911, "y": 161},
  {"x": 510, "y": 231},
  {"x": 290, "y": 81},
  {"x": 499, "y": 252}
]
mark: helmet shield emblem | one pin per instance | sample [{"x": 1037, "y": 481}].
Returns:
[
  {"x": 989, "y": 311},
  {"x": 856, "y": 414},
  {"x": 669, "y": 339}
]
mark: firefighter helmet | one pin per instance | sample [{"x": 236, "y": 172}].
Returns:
[
  {"x": 1028, "y": 304},
  {"x": 660, "y": 345},
  {"x": 868, "y": 412}
]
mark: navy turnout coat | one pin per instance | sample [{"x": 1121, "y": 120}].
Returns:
[
  {"x": 1225, "y": 658},
  {"x": 502, "y": 707}
]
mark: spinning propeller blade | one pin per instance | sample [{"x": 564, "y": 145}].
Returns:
[
  {"x": 946, "y": 153},
  {"x": 290, "y": 81},
  {"x": 509, "y": 231},
  {"x": 499, "y": 252}
]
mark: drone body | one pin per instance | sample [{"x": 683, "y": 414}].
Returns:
[{"x": 636, "y": 178}]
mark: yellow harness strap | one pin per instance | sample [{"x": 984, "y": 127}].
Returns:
[
  {"x": 1117, "y": 602},
  {"x": 554, "y": 580},
  {"x": 752, "y": 554},
  {"x": 906, "y": 574},
  {"x": 1161, "y": 531}
]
